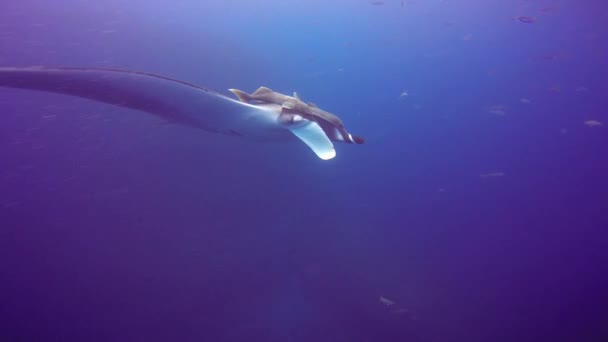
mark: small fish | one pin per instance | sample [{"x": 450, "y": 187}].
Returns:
[
  {"x": 593, "y": 123},
  {"x": 386, "y": 302},
  {"x": 499, "y": 110},
  {"x": 492, "y": 174},
  {"x": 525, "y": 19}
]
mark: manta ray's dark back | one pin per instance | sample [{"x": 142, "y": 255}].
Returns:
[{"x": 162, "y": 96}]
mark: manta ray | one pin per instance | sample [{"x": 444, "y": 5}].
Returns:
[{"x": 264, "y": 115}]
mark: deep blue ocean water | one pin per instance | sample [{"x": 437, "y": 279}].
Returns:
[{"x": 476, "y": 210}]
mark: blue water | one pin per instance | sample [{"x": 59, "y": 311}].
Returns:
[{"x": 478, "y": 205}]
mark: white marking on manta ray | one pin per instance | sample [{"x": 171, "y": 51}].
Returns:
[{"x": 274, "y": 117}]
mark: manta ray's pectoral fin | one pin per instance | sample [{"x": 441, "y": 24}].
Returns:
[{"x": 310, "y": 133}]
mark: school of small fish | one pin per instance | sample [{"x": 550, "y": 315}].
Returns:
[{"x": 500, "y": 110}]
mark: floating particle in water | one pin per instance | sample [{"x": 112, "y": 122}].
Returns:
[
  {"x": 492, "y": 175},
  {"x": 377, "y": 2},
  {"x": 525, "y": 100},
  {"x": 467, "y": 37},
  {"x": 386, "y": 302},
  {"x": 593, "y": 123},
  {"x": 499, "y": 110},
  {"x": 525, "y": 19},
  {"x": 395, "y": 309}
]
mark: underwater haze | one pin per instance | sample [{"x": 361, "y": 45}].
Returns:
[{"x": 476, "y": 210}]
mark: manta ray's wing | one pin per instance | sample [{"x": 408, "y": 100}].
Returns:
[{"x": 173, "y": 100}]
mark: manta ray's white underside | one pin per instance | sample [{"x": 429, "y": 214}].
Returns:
[{"x": 173, "y": 100}]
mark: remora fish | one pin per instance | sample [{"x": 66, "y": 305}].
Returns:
[
  {"x": 330, "y": 123},
  {"x": 190, "y": 105}
]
